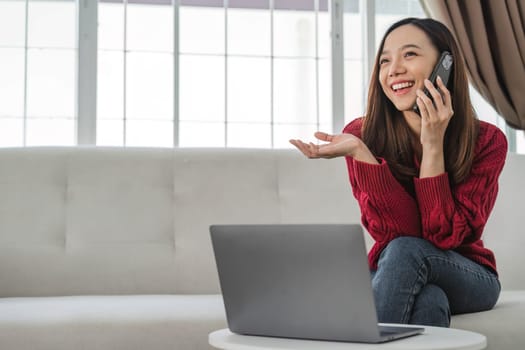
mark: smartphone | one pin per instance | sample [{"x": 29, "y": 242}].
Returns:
[{"x": 442, "y": 69}]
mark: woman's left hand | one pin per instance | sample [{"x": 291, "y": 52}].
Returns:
[
  {"x": 436, "y": 115},
  {"x": 337, "y": 146}
]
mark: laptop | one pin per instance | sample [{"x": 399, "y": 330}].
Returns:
[{"x": 299, "y": 281}]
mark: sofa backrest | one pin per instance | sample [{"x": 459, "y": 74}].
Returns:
[
  {"x": 124, "y": 221},
  {"x": 84, "y": 220},
  {"x": 505, "y": 230}
]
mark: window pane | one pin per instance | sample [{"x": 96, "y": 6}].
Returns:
[
  {"x": 325, "y": 95},
  {"x": 194, "y": 134},
  {"x": 52, "y": 23},
  {"x": 51, "y": 83},
  {"x": 12, "y": 22},
  {"x": 150, "y": 27},
  {"x": 249, "y": 32},
  {"x": 11, "y": 82},
  {"x": 149, "y": 133},
  {"x": 110, "y": 132},
  {"x": 249, "y": 135},
  {"x": 43, "y": 131},
  {"x": 354, "y": 87},
  {"x": 110, "y": 85},
  {"x": 11, "y": 132},
  {"x": 483, "y": 109},
  {"x": 284, "y": 132},
  {"x": 294, "y": 91},
  {"x": 110, "y": 26},
  {"x": 149, "y": 85},
  {"x": 294, "y": 33},
  {"x": 486, "y": 112},
  {"x": 323, "y": 34},
  {"x": 388, "y": 12},
  {"x": 249, "y": 89},
  {"x": 384, "y": 21},
  {"x": 520, "y": 141},
  {"x": 201, "y": 30},
  {"x": 353, "y": 36},
  {"x": 201, "y": 88},
  {"x": 327, "y": 127}
]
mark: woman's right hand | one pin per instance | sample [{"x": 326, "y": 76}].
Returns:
[{"x": 338, "y": 146}]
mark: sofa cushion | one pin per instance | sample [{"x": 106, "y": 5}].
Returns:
[
  {"x": 110, "y": 322},
  {"x": 502, "y": 325}
]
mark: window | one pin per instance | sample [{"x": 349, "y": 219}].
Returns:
[
  {"x": 249, "y": 73},
  {"x": 188, "y": 73}
]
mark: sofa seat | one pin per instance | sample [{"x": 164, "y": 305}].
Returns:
[
  {"x": 502, "y": 325},
  {"x": 110, "y": 322},
  {"x": 154, "y": 321}
]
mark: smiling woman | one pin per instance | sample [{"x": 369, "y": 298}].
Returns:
[{"x": 425, "y": 184}]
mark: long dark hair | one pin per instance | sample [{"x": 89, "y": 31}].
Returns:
[{"x": 387, "y": 134}]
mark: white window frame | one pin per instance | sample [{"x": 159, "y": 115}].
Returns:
[{"x": 86, "y": 72}]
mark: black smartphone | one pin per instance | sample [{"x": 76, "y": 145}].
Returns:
[{"x": 442, "y": 69}]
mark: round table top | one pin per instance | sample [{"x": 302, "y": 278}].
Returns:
[{"x": 433, "y": 338}]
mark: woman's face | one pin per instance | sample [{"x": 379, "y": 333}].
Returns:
[{"x": 407, "y": 59}]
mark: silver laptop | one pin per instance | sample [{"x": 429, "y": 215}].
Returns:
[{"x": 299, "y": 281}]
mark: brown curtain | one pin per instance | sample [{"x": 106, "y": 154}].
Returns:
[{"x": 491, "y": 36}]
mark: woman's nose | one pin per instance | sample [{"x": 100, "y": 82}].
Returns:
[{"x": 396, "y": 68}]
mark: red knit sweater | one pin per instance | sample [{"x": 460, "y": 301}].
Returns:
[{"x": 450, "y": 218}]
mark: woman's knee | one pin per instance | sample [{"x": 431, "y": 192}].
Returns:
[
  {"x": 404, "y": 248},
  {"x": 431, "y": 307}
]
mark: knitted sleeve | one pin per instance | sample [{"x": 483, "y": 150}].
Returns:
[
  {"x": 450, "y": 217},
  {"x": 387, "y": 210}
]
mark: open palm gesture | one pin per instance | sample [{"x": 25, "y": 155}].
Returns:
[{"x": 337, "y": 146}]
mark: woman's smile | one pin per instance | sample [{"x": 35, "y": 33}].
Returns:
[{"x": 402, "y": 87}]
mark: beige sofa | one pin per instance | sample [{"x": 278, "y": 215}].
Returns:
[{"x": 108, "y": 248}]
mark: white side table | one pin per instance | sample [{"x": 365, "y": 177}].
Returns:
[{"x": 434, "y": 338}]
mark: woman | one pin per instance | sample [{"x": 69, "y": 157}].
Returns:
[{"x": 425, "y": 183}]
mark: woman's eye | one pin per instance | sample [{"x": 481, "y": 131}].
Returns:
[
  {"x": 383, "y": 60},
  {"x": 410, "y": 53}
]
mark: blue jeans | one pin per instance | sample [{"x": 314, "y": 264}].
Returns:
[{"x": 417, "y": 283}]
